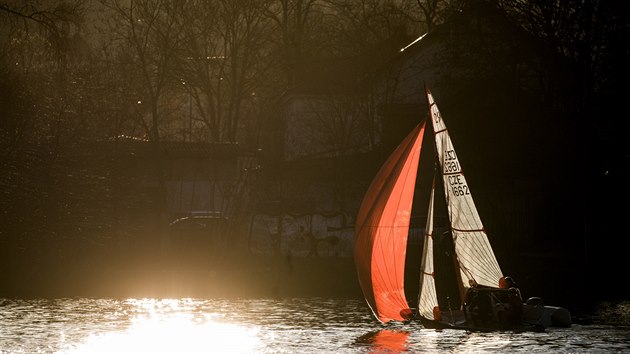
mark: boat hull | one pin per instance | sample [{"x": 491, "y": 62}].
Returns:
[
  {"x": 536, "y": 318},
  {"x": 546, "y": 316},
  {"x": 470, "y": 326}
]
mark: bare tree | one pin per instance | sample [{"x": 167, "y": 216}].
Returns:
[
  {"x": 588, "y": 33},
  {"x": 432, "y": 12},
  {"x": 224, "y": 62},
  {"x": 45, "y": 77},
  {"x": 152, "y": 30},
  {"x": 296, "y": 24},
  {"x": 51, "y": 15}
]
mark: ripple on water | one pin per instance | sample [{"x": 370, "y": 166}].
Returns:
[{"x": 292, "y": 325}]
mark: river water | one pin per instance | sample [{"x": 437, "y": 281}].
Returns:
[{"x": 291, "y": 325}]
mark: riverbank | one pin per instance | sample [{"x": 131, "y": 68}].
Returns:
[{"x": 237, "y": 277}]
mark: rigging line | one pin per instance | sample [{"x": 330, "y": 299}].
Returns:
[
  {"x": 439, "y": 131},
  {"x": 465, "y": 270},
  {"x": 468, "y": 230}
]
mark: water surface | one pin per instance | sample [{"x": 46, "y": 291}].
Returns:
[{"x": 293, "y": 325}]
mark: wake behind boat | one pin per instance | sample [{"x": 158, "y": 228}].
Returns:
[{"x": 489, "y": 300}]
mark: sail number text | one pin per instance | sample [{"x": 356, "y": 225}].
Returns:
[
  {"x": 436, "y": 116},
  {"x": 450, "y": 161},
  {"x": 451, "y": 166},
  {"x": 458, "y": 186}
]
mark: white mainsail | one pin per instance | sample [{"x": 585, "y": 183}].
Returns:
[{"x": 476, "y": 259}]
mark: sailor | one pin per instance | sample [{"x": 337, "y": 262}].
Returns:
[
  {"x": 477, "y": 304},
  {"x": 514, "y": 301},
  {"x": 507, "y": 282}
]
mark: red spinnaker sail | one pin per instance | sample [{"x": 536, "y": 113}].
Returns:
[{"x": 382, "y": 228}]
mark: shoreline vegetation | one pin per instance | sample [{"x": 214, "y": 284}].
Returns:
[{"x": 245, "y": 277}]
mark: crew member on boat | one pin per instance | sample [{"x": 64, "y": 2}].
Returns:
[
  {"x": 487, "y": 306},
  {"x": 514, "y": 312},
  {"x": 477, "y": 304}
]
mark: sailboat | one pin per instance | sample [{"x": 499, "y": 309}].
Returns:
[{"x": 489, "y": 300}]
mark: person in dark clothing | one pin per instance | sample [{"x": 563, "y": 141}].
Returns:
[
  {"x": 478, "y": 305},
  {"x": 514, "y": 311}
]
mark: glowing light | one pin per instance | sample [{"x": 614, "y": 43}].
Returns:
[
  {"x": 414, "y": 42},
  {"x": 168, "y": 326}
]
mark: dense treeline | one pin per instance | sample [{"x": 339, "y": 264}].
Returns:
[{"x": 202, "y": 71}]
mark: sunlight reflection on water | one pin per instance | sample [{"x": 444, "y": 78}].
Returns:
[
  {"x": 173, "y": 334},
  {"x": 173, "y": 326},
  {"x": 301, "y": 325}
]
